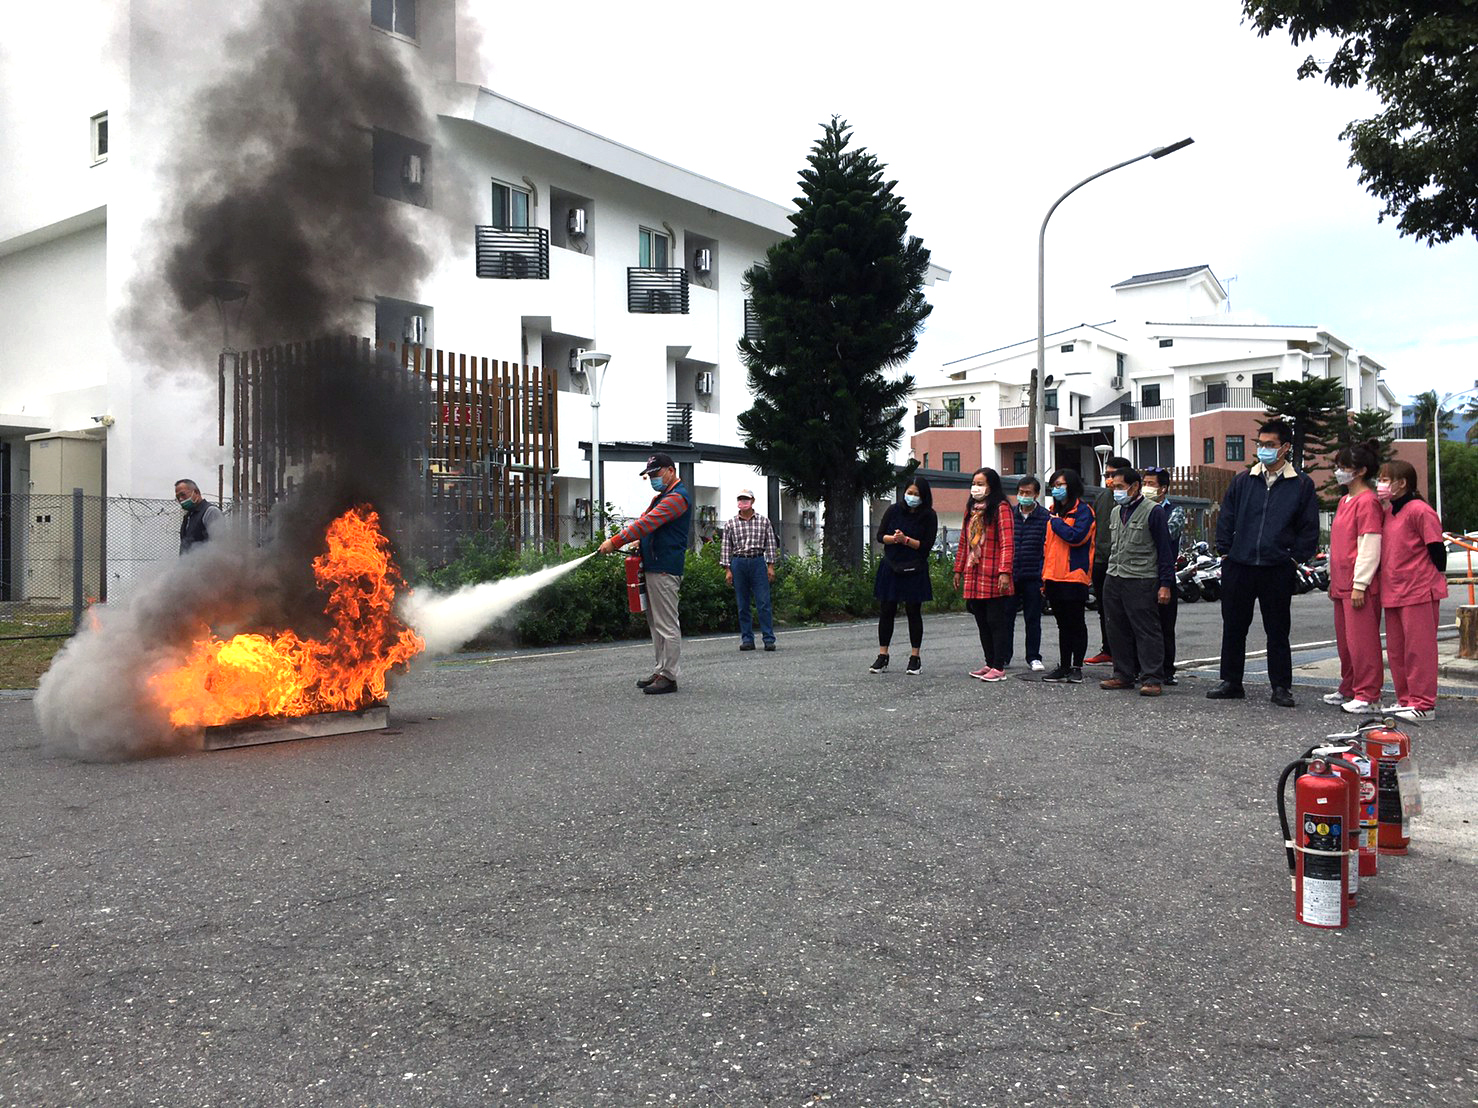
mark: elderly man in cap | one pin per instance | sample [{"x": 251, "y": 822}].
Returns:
[
  {"x": 748, "y": 557},
  {"x": 663, "y": 532}
]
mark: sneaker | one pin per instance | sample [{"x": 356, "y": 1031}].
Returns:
[
  {"x": 979, "y": 674},
  {"x": 1102, "y": 658},
  {"x": 1058, "y": 676},
  {"x": 770, "y": 647},
  {"x": 1356, "y": 707},
  {"x": 1075, "y": 675},
  {"x": 994, "y": 675},
  {"x": 1405, "y": 711},
  {"x": 880, "y": 665},
  {"x": 1037, "y": 666},
  {"x": 746, "y": 646},
  {"x": 914, "y": 666},
  {"x": 1335, "y": 697}
]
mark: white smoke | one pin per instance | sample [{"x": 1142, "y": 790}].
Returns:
[{"x": 447, "y": 620}]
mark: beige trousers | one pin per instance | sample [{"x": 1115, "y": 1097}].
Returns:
[{"x": 667, "y": 632}]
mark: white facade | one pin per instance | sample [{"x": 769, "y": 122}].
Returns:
[{"x": 1171, "y": 372}]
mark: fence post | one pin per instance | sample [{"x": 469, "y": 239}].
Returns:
[{"x": 77, "y": 538}]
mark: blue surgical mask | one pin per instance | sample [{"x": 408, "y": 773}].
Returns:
[
  {"x": 1121, "y": 496},
  {"x": 658, "y": 484},
  {"x": 911, "y": 500},
  {"x": 1059, "y": 492},
  {"x": 1026, "y": 501},
  {"x": 1267, "y": 455}
]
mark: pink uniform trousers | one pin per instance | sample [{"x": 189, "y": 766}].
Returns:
[
  {"x": 1362, "y": 669},
  {"x": 1411, "y": 645}
]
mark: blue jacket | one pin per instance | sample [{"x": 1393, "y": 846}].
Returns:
[
  {"x": 1031, "y": 534},
  {"x": 1268, "y": 526},
  {"x": 663, "y": 530}
]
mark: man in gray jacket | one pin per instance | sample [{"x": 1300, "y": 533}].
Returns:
[{"x": 201, "y": 516}]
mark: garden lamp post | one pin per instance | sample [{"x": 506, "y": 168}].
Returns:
[{"x": 594, "y": 364}]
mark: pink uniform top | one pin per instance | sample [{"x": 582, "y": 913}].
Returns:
[
  {"x": 1407, "y": 575},
  {"x": 1356, "y": 515}
]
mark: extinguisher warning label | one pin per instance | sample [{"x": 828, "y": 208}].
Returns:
[{"x": 1323, "y": 889}]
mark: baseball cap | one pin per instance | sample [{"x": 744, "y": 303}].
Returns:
[
  {"x": 745, "y": 494},
  {"x": 654, "y": 463}
]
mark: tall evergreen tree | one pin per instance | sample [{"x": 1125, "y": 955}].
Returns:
[
  {"x": 1359, "y": 427},
  {"x": 838, "y": 304},
  {"x": 1316, "y": 409}
]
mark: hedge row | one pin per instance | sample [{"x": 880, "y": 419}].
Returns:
[{"x": 589, "y": 604}]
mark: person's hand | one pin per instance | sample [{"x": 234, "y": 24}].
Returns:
[
  {"x": 899, "y": 536},
  {"x": 1357, "y": 598},
  {"x": 1164, "y": 595},
  {"x": 606, "y": 547},
  {"x": 770, "y": 573},
  {"x": 1004, "y": 581},
  {"x": 729, "y": 576},
  {"x": 959, "y": 580}
]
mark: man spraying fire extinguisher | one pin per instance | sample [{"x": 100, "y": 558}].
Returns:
[{"x": 663, "y": 533}]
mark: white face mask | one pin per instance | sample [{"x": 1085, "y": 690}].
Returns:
[
  {"x": 1151, "y": 492},
  {"x": 978, "y": 491},
  {"x": 1343, "y": 476}
]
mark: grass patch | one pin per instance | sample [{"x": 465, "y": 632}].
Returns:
[{"x": 24, "y": 660}]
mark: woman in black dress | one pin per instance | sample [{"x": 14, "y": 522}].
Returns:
[{"x": 907, "y": 534}]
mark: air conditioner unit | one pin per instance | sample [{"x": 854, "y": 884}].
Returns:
[
  {"x": 415, "y": 330},
  {"x": 1116, "y": 383},
  {"x": 703, "y": 260},
  {"x": 411, "y": 169},
  {"x": 659, "y": 301},
  {"x": 576, "y": 366},
  {"x": 703, "y": 383},
  {"x": 575, "y": 224}
]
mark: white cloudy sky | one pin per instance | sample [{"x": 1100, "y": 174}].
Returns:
[{"x": 986, "y": 113}]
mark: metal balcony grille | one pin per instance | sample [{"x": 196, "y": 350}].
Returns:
[
  {"x": 1165, "y": 409},
  {"x": 513, "y": 253},
  {"x": 1238, "y": 398},
  {"x": 657, "y": 291},
  {"x": 751, "y": 322},
  {"x": 679, "y": 423}
]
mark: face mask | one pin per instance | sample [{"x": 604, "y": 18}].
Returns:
[
  {"x": 745, "y": 505},
  {"x": 1059, "y": 493},
  {"x": 1121, "y": 496},
  {"x": 1151, "y": 492},
  {"x": 1383, "y": 489},
  {"x": 658, "y": 484},
  {"x": 912, "y": 501},
  {"x": 1343, "y": 476},
  {"x": 1026, "y": 501},
  {"x": 978, "y": 491},
  {"x": 187, "y": 505},
  {"x": 1267, "y": 455}
]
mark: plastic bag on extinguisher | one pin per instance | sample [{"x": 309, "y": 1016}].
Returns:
[{"x": 1408, "y": 776}]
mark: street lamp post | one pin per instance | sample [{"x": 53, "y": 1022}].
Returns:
[
  {"x": 1437, "y": 441},
  {"x": 1036, "y": 446},
  {"x": 594, "y": 363}
]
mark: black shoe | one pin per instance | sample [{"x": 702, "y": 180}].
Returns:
[
  {"x": 661, "y": 685},
  {"x": 645, "y": 681},
  {"x": 880, "y": 665},
  {"x": 746, "y": 646},
  {"x": 1057, "y": 676},
  {"x": 1283, "y": 697},
  {"x": 915, "y": 667},
  {"x": 1170, "y": 681},
  {"x": 1075, "y": 675},
  {"x": 1227, "y": 690},
  {"x": 770, "y": 647}
]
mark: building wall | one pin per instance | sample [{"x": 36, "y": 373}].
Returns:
[{"x": 931, "y": 446}]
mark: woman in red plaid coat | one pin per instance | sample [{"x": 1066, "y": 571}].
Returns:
[{"x": 983, "y": 569}]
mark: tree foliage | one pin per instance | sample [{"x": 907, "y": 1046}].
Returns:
[
  {"x": 838, "y": 304},
  {"x": 1418, "y": 56},
  {"x": 1315, "y": 407},
  {"x": 1358, "y": 428},
  {"x": 1459, "y": 487},
  {"x": 1424, "y": 412}
]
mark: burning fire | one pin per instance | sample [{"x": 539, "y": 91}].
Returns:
[{"x": 250, "y": 675}]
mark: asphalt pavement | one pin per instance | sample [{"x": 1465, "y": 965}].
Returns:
[{"x": 791, "y": 882}]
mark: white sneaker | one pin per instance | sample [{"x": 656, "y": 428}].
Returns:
[
  {"x": 1404, "y": 711},
  {"x": 1037, "y": 666},
  {"x": 1335, "y": 697},
  {"x": 1356, "y": 707}
]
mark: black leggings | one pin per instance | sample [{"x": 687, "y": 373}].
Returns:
[
  {"x": 1069, "y": 605},
  {"x": 915, "y": 623},
  {"x": 993, "y": 619}
]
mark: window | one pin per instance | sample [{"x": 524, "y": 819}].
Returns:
[
  {"x": 951, "y": 463},
  {"x": 1216, "y": 394},
  {"x": 510, "y": 207},
  {"x": 99, "y": 131},
  {"x": 1236, "y": 448},
  {"x": 1018, "y": 462},
  {"x": 1149, "y": 396},
  {"x": 1259, "y": 380},
  {"x": 1167, "y": 342},
  {"x": 1066, "y": 348},
  {"x": 926, "y": 459},
  {"x": 1119, "y": 364},
  {"x": 1050, "y": 400},
  {"x": 394, "y": 15},
  {"x": 1208, "y": 451},
  {"x": 652, "y": 249},
  {"x": 402, "y": 168},
  {"x": 1156, "y": 450}
]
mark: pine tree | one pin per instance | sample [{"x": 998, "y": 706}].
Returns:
[
  {"x": 838, "y": 304},
  {"x": 1316, "y": 410},
  {"x": 1358, "y": 428}
]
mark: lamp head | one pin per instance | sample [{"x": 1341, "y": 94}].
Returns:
[
  {"x": 1103, "y": 450},
  {"x": 593, "y": 359},
  {"x": 1160, "y": 152}
]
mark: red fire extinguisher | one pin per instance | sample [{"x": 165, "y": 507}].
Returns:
[
  {"x": 636, "y": 584},
  {"x": 1398, "y": 795},
  {"x": 1318, "y": 853},
  {"x": 1345, "y": 760}
]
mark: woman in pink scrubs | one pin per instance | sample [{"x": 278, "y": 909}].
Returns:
[
  {"x": 1354, "y": 581},
  {"x": 1412, "y": 585}
]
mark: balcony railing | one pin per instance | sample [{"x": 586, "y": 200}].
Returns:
[
  {"x": 657, "y": 291},
  {"x": 679, "y": 423},
  {"x": 513, "y": 253},
  {"x": 1410, "y": 431},
  {"x": 1163, "y": 410},
  {"x": 1235, "y": 398},
  {"x": 946, "y": 417},
  {"x": 1017, "y": 415},
  {"x": 751, "y": 322}
]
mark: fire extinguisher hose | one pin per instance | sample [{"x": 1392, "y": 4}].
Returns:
[{"x": 1283, "y": 807}]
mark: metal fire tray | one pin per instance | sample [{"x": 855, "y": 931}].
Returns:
[{"x": 255, "y": 732}]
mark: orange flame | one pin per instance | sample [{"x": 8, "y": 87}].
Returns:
[{"x": 253, "y": 675}]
